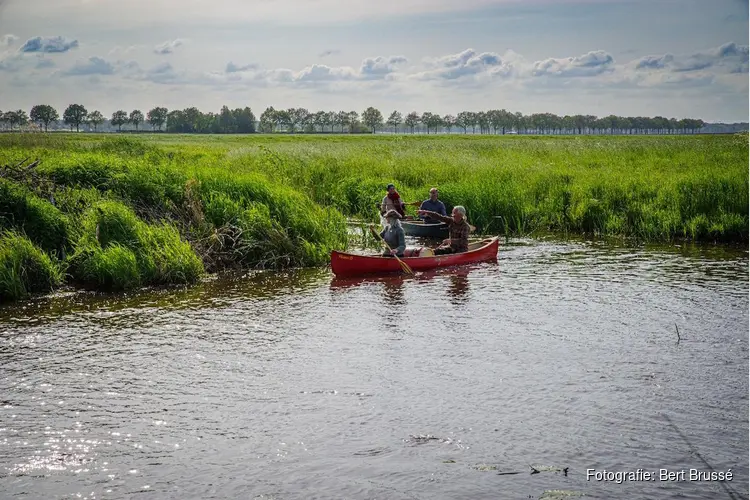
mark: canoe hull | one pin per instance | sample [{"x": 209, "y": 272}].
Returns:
[
  {"x": 422, "y": 230},
  {"x": 347, "y": 264}
]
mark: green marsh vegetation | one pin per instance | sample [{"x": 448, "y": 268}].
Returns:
[{"x": 114, "y": 213}]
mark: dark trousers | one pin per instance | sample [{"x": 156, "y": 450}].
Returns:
[{"x": 388, "y": 254}]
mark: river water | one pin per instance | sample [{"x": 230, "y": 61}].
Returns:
[{"x": 561, "y": 356}]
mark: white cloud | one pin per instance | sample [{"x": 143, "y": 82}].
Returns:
[
  {"x": 49, "y": 44},
  {"x": 591, "y": 64},
  {"x": 380, "y": 66},
  {"x": 233, "y": 68},
  {"x": 91, "y": 66},
  {"x": 465, "y": 64},
  {"x": 728, "y": 58},
  {"x": 44, "y": 63},
  {"x": 124, "y": 50},
  {"x": 11, "y": 62},
  {"x": 8, "y": 40},
  {"x": 372, "y": 68},
  {"x": 167, "y": 47},
  {"x": 16, "y": 62}
]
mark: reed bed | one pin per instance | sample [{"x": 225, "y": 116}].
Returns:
[{"x": 114, "y": 213}]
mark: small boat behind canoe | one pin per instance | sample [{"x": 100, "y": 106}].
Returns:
[
  {"x": 348, "y": 264},
  {"x": 420, "y": 229}
]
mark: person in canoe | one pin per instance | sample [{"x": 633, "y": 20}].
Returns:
[
  {"x": 393, "y": 234},
  {"x": 392, "y": 201},
  {"x": 434, "y": 205},
  {"x": 458, "y": 230}
]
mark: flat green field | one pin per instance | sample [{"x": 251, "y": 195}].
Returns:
[{"x": 114, "y": 212}]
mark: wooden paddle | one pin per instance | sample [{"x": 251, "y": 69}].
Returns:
[{"x": 404, "y": 266}]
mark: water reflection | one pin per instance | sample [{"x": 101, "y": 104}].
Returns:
[
  {"x": 433, "y": 281},
  {"x": 459, "y": 285},
  {"x": 391, "y": 292},
  {"x": 214, "y": 292},
  {"x": 456, "y": 278}
]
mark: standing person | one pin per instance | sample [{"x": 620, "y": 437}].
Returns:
[
  {"x": 434, "y": 205},
  {"x": 393, "y": 234},
  {"x": 458, "y": 230},
  {"x": 392, "y": 201}
]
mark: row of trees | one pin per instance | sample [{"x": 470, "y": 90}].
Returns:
[
  {"x": 190, "y": 120},
  {"x": 76, "y": 115},
  {"x": 294, "y": 120},
  {"x": 498, "y": 121}
]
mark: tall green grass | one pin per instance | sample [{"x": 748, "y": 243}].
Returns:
[
  {"x": 24, "y": 268},
  {"x": 118, "y": 251},
  {"x": 23, "y": 210},
  {"x": 140, "y": 214},
  {"x": 649, "y": 188}
]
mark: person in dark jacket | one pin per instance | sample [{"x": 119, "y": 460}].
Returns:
[
  {"x": 434, "y": 205},
  {"x": 393, "y": 234}
]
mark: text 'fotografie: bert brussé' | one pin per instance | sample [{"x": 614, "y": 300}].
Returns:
[{"x": 662, "y": 475}]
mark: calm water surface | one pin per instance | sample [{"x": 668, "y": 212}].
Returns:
[{"x": 562, "y": 355}]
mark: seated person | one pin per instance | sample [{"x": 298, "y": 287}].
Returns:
[
  {"x": 434, "y": 205},
  {"x": 392, "y": 201},
  {"x": 393, "y": 234},
  {"x": 458, "y": 230}
]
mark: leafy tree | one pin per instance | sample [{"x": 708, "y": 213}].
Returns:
[
  {"x": 473, "y": 121},
  {"x": 342, "y": 118},
  {"x": 268, "y": 120},
  {"x": 395, "y": 120},
  {"x": 119, "y": 118},
  {"x": 483, "y": 121},
  {"x": 282, "y": 118},
  {"x": 157, "y": 117},
  {"x": 372, "y": 118},
  {"x": 426, "y": 120},
  {"x": 244, "y": 120},
  {"x": 75, "y": 115},
  {"x": 448, "y": 122},
  {"x": 44, "y": 114},
  {"x": 18, "y": 117},
  {"x": 431, "y": 121},
  {"x": 9, "y": 118},
  {"x": 96, "y": 118},
  {"x": 176, "y": 121},
  {"x": 136, "y": 118},
  {"x": 412, "y": 120},
  {"x": 330, "y": 119},
  {"x": 462, "y": 120},
  {"x": 226, "y": 121},
  {"x": 353, "y": 120},
  {"x": 319, "y": 119}
]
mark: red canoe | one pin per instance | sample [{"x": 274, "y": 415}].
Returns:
[{"x": 349, "y": 264}]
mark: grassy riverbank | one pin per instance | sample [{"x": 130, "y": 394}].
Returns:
[{"x": 115, "y": 212}]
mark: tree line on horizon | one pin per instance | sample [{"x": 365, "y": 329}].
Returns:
[{"x": 371, "y": 120}]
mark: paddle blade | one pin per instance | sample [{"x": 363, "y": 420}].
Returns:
[{"x": 405, "y": 267}]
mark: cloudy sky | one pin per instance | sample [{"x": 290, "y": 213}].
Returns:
[{"x": 675, "y": 58}]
